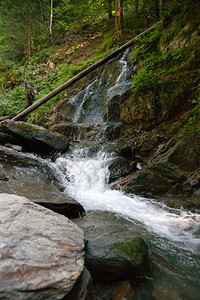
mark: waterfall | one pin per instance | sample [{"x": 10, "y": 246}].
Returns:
[
  {"x": 87, "y": 93},
  {"x": 87, "y": 179},
  {"x": 123, "y": 82},
  {"x": 89, "y": 106}
]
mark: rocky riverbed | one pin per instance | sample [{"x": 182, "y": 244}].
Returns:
[{"x": 116, "y": 246}]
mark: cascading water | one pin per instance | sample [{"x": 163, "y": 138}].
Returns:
[
  {"x": 123, "y": 81},
  {"x": 172, "y": 232},
  {"x": 87, "y": 182},
  {"x": 89, "y": 106},
  {"x": 88, "y": 92}
]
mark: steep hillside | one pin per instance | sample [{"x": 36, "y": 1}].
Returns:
[{"x": 159, "y": 116}]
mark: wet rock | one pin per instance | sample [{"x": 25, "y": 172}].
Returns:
[
  {"x": 127, "y": 152},
  {"x": 112, "y": 131},
  {"x": 41, "y": 253},
  {"x": 3, "y": 176},
  {"x": 182, "y": 151},
  {"x": 5, "y": 137},
  {"x": 14, "y": 147},
  {"x": 194, "y": 179},
  {"x": 113, "y": 109},
  {"x": 192, "y": 202},
  {"x": 121, "y": 291},
  {"x": 69, "y": 207},
  {"x": 147, "y": 143},
  {"x": 120, "y": 167},
  {"x": 28, "y": 160},
  {"x": 82, "y": 289},
  {"x": 114, "y": 250},
  {"x": 32, "y": 177},
  {"x": 35, "y": 138},
  {"x": 152, "y": 180},
  {"x": 75, "y": 131}
]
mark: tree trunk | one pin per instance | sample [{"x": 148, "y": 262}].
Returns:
[
  {"x": 160, "y": 6},
  {"x": 51, "y": 18},
  {"x": 119, "y": 16},
  {"x": 136, "y": 7},
  {"x": 110, "y": 9},
  {"x": 29, "y": 36}
]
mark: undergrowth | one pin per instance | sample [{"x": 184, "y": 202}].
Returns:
[{"x": 167, "y": 67}]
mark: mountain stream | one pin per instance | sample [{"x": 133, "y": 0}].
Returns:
[{"x": 172, "y": 235}]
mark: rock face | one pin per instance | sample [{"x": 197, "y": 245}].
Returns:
[
  {"x": 120, "y": 167},
  {"x": 41, "y": 253},
  {"x": 113, "y": 250},
  {"x": 157, "y": 179},
  {"x": 35, "y": 138}
]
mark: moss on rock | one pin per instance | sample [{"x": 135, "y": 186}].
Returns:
[{"x": 137, "y": 247}]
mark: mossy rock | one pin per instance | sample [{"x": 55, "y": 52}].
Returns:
[
  {"x": 114, "y": 250},
  {"x": 154, "y": 180},
  {"x": 35, "y": 138}
]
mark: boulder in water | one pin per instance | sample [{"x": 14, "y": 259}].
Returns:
[
  {"x": 35, "y": 138},
  {"x": 41, "y": 252},
  {"x": 114, "y": 250}
]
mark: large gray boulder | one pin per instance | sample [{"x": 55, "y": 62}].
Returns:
[
  {"x": 35, "y": 138},
  {"x": 30, "y": 176},
  {"x": 41, "y": 252},
  {"x": 114, "y": 250},
  {"x": 20, "y": 159}
]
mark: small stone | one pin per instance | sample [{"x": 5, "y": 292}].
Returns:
[
  {"x": 3, "y": 176},
  {"x": 121, "y": 291}
]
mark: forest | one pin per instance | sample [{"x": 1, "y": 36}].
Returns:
[{"x": 51, "y": 34}]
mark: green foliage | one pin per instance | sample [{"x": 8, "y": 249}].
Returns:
[
  {"x": 132, "y": 249},
  {"x": 24, "y": 28},
  {"x": 193, "y": 124},
  {"x": 158, "y": 70},
  {"x": 166, "y": 68},
  {"x": 12, "y": 101}
]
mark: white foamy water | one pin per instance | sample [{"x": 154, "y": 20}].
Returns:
[
  {"x": 87, "y": 92},
  {"x": 86, "y": 181},
  {"x": 123, "y": 81}
]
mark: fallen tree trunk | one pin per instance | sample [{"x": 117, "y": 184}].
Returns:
[{"x": 79, "y": 76}]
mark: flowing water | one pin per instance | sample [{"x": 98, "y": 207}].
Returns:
[
  {"x": 172, "y": 234},
  {"x": 90, "y": 105}
]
